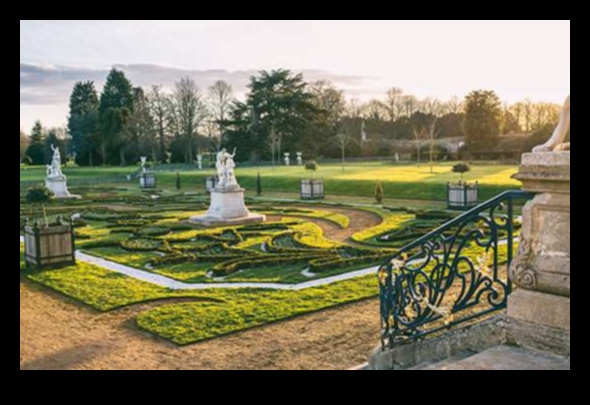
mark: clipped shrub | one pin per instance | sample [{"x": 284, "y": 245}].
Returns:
[
  {"x": 258, "y": 185},
  {"x": 142, "y": 244},
  {"x": 461, "y": 168},
  {"x": 311, "y": 165},
  {"x": 153, "y": 231},
  {"x": 327, "y": 264},
  {"x": 379, "y": 193}
]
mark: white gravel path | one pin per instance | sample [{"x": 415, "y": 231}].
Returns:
[{"x": 167, "y": 282}]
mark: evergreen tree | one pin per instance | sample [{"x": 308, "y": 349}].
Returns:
[
  {"x": 83, "y": 123},
  {"x": 278, "y": 110},
  {"x": 116, "y": 106},
  {"x": 483, "y": 117},
  {"x": 141, "y": 137},
  {"x": 36, "y": 147}
]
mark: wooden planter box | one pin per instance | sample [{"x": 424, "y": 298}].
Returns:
[
  {"x": 462, "y": 196},
  {"x": 312, "y": 189},
  {"x": 147, "y": 180},
  {"x": 49, "y": 247}
]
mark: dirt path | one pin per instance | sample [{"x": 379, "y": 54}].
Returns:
[
  {"x": 359, "y": 221},
  {"x": 56, "y": 333}
]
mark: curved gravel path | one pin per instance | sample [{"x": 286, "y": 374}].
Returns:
[{"x": 172, "y": 284}]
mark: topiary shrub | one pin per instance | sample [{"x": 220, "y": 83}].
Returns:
[
  {"x": 258, "y": 185},
  {"x": 311, "y": 165},
  {"x": 379, "y": 193},
  {"x": 461, "y": 168}
]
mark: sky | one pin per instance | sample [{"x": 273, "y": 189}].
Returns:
[{"x": 517, "y": 59}]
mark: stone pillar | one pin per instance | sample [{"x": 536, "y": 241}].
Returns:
[{"x": 539, "y": 308}]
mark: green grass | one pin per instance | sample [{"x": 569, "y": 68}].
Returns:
[
  {"x": 102, "y": 289},
  {"x": 216, "y": 312},
  {"x": 192, "y": 322},
  {"x": 399, "y": 181}
]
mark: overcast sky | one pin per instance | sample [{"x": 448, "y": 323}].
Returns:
[{"x": 428, "y": 58}]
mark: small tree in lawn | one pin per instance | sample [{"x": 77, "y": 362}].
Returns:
[
  {"x": 258, "y": 185},
  {"x": 461, "y": 168},
  {"x": 178, "y": 180},
  {"x": 312, "y": 166},
  {"x": 379, "y": 193},
  {"x": 38, "y": 196}
]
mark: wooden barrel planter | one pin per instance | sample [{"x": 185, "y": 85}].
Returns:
[
  {"x": 49, "y": 247},
  {"x": 312, "y": 189},
  {"x": 462, "y": 196},
  {"x": 147, "y": 180}
]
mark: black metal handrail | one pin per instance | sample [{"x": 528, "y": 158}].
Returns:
[{"x": 450, "y": 275}]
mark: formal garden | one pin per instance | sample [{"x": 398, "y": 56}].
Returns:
[{"x": 138, "y": 245}]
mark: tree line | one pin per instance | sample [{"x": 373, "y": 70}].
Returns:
[{"x": 280, "y": 113}]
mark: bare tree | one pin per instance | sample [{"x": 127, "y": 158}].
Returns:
[
  {"x": 431, "y": 106},
  {"x": 410, "y": 104},
  {"x": 343, "y": 139},
  {"x": 273, "y": 141},
  {"x": 354, "y": 108},
  {"x": 221, "y": 97},
  {"x": 190, "y": 111},
  {"x": 527, "y": 111},
  {"x": 329, "y": 99},
  {"x": 393, "y": 103},
  {"x": 158, "y": 101},
  {"x": 431, "y": 132},
  {"x": 419, "y": 141},
  {"x": 452, "y": 106},
  {"x": 375, "y": 110}
]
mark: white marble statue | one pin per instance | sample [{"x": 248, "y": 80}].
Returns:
[
  {"x": 54, "y": 169},
  {"x": 556, "y": 142},
  {"x": 225, "y": 170},
  {"x": 143, "y": 162},
  {"x": 56, "y": 181},
  {"x": 299, "y": 158},
  {"x": 200, "y": 161},
  {"x": 287, "y": 159},
  {"x": 227, "y": 206}
]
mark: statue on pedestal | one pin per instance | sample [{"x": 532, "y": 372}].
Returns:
[
  {"x": 54, "y": 169},
  {"x": 225, "y": 170},
  {"x": 56, "y": 181}
]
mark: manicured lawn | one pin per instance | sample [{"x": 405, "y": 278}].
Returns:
[{"x": 399, "y": 181}]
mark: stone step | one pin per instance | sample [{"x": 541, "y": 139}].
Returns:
[
  {"x": 506, "y": 358},
  {"x": 433, "y": 365}
]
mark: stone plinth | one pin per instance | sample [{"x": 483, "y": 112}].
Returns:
[
  {"x": 539, "y": 311},
  {"x": 59, "y": 187},
  {"x": 227, "y": 208}
]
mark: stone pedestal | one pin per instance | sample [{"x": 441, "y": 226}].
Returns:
[
  {"x": 539, "y": 310},
  {"x": 227, "y": 208},
  {"x": 59, "y": 187}
]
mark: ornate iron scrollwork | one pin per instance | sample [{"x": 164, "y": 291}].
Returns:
[{"x": 452, "y": 274}]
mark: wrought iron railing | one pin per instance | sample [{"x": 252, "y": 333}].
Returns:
[{"x": 454, "y": 274}]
